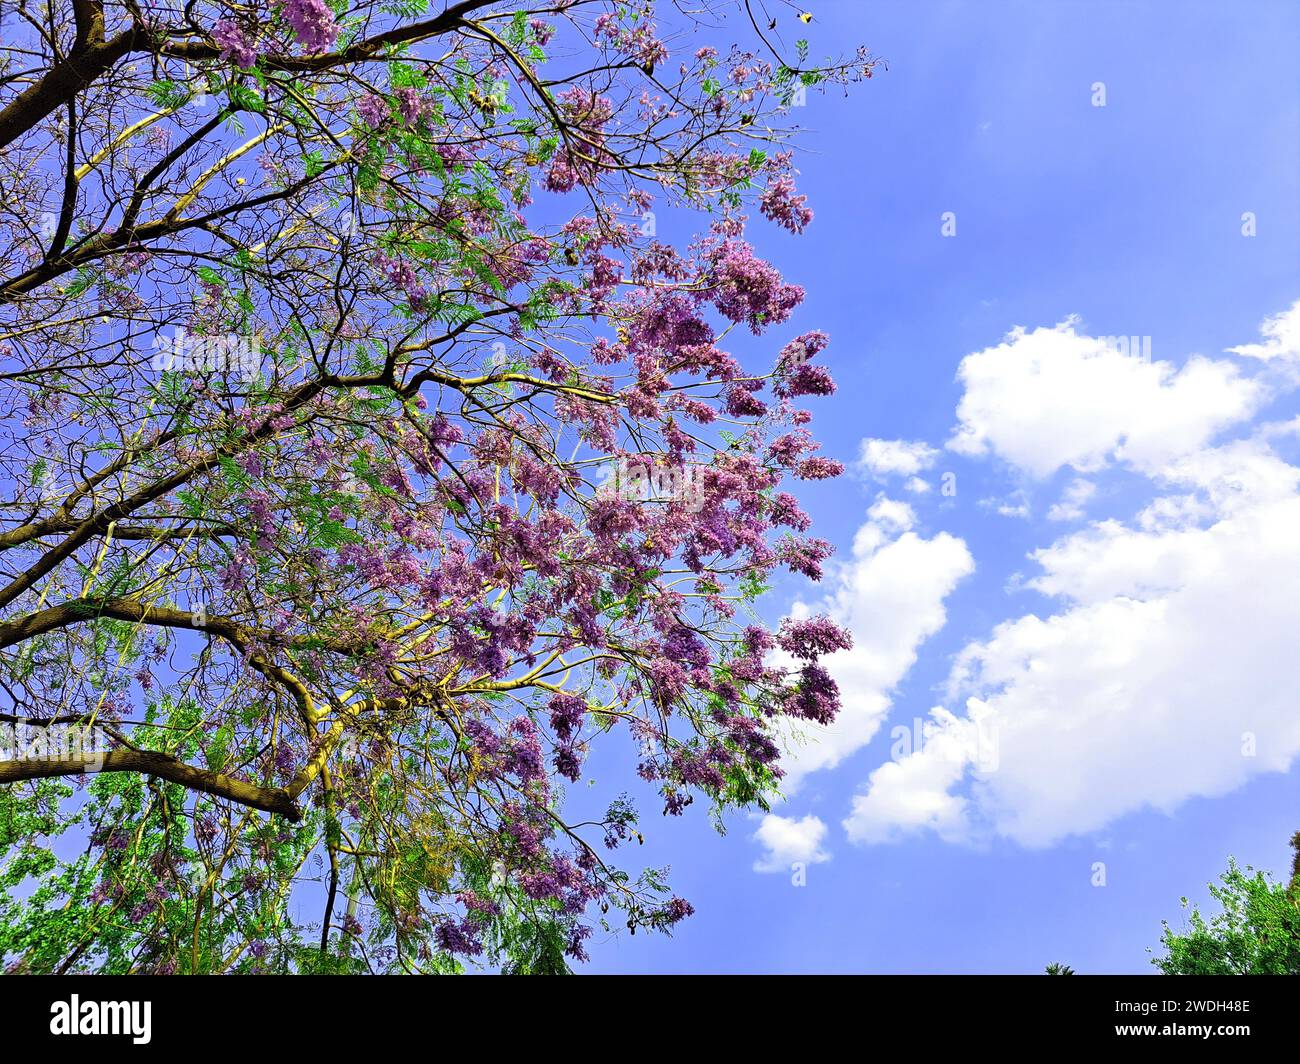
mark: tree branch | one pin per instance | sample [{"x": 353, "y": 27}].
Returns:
[
  {"x": 92, "y": 56},
  {"x": 86, "y": 62},
  {"x": 164, "y": 766}
]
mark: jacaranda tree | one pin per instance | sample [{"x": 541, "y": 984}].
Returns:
[{"x": 367, "y": 457}]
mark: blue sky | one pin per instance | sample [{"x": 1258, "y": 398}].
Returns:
[{"x": 1135, "y": 680}]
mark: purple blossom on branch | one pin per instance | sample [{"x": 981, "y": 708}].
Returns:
[
  {"x": 781, "y": 205},
  {"x": 313, "y": 23},
  {"x": 812, "y": 638},
  {"x": 234, "y": 44},
  {"x": 373, "y": 110}
]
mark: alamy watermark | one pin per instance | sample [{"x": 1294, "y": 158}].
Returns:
[
  {"x": 644, "y": 480},
  {"x": 1129, "y": 346},
  {"x": 188, "y": 353},
  {"x": 978, "y": 745},
  {"x": 33, "y": 740},
  {"x": 133, "y": 1019}
]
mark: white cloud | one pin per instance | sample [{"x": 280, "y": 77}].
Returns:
[
  {"x": 917, "y": 486},
  {"x": 882, "y": 458},
  {"x": 892, "y": 514},
  {"x": 915, "y": 791},
  {"x": 1173, "y": 646},
  {"x": 1053, "y": 397},
  {"x": 1019, "y": 508},
  {"x": 789, "y": 841},
  {"x": 1273, "y": 429},
  {"x": 1014, "y": 505},
  {"x": 1166, "y": 672},
  {"x": 1281, "y": 337},
  {"x": 1073, "y": 500},
  {"x": 891, "y": 596}
]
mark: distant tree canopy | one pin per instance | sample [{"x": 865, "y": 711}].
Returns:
[
  {"x": 322, "y": 327},
  {"x": 1256, "y": 933}
]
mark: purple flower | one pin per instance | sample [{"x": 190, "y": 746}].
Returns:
[
  {"x": 313, "y": 23},
  {"x": 403, "y": 277},
  {"x": 819, "y": 469},
  {"x": 568, "y": 764},
  {"x": 410, "y": 105},
  {"x": 741, "y": 402},
  {"x": 284, "y": 760},
  {"x": 524, "y": 757},
  {"x": 802, "y": 348},
  {"x": 747, "y": 289},
  {"x": 807, "y": 380},
  {"x": 678, "y": 909},
  {"x": 458, "y": 936},
  {"x": 474, "y": 903},
  {"x": 566, "y": 715},
  {"x": 804, "y": 555},
  {"x": 577, "y": 936},
  {"x": 234, "y": 44},
  {"x": 816, "y": 697},
  {"x": 543, "y": 31},
  {"x": 786, "y": 511},
  {"x": 781, "y": 205},
  {"x": 453, "y": 155},
  {"x": 373, "y": 110},
  {"x": 812, "y": 638}
]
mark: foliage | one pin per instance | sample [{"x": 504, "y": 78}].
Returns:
[{"x": 1257, "y": 931}]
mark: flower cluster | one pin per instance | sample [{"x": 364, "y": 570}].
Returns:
[
  {"x": 313, "y": 24},
  {"x": 781, "y": 205},
  {"x": 234, "y": 44}
]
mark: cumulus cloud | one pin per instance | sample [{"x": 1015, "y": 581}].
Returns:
[
  {"x": 915, "y": 791},
  {"x": 891, "y": 596},
  {"x": 1167, "y": 668},
  {"x": 789, "y": 841},
  {"x": 891, "y": 514},
  {"x": 882, "y": 458},
  {"x": 1073, "y": 500},
  {"x": 1054, "y": 397},
  {"x": 1281, "y": 337},
  {"x": 1274, "y": 429}
]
